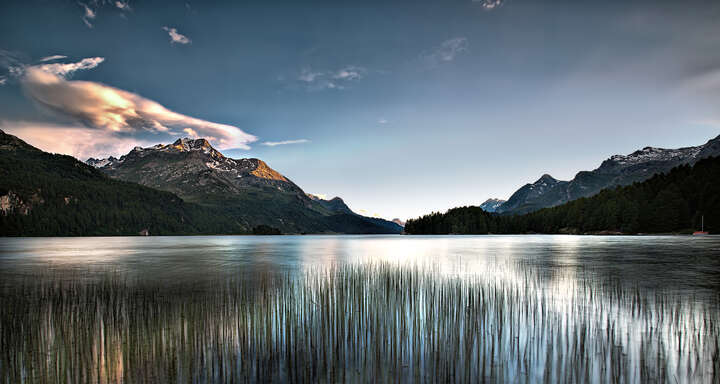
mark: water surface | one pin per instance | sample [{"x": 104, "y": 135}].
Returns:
[
  {"x": 683, "y": 264},
  {"x": 360, "y": 309}
]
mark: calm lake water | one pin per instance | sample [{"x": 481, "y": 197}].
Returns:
[
  {"x": 678, "y": 263},
  {"x": 360, "y": 309}
]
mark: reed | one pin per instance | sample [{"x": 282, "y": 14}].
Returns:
[{"x": 352, "y": 323}]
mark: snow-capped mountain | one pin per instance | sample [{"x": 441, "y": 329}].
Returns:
[
  {"x": 615, "y": 171},
  {"x": 491, "y": 205},
  {"x": 247, "y": 188}
]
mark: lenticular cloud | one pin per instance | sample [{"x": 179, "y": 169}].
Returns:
[{"x": 111, "y": 109}]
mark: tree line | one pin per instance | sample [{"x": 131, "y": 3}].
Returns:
[
  {"x": 56, "y": 195},
  {"x": 672, "y": 202}
]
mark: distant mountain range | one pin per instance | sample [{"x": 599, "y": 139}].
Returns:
[
  {"x": 618, "y": 170},
  {"x": 247, "y": 189},
  {"x": 186, "y": 187},
  {"x": 678, "y": 201}
]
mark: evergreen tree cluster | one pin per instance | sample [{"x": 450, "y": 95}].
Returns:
[
  {"x": 666, "y": 203},
  {"x": 61, "y": 196}
]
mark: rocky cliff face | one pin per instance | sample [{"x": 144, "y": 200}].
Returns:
[{"x": 618, "y": 170}]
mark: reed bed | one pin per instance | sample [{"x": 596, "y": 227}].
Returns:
[{"x": 353, "y": 323}]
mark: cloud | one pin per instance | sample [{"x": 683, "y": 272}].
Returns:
[
  {"x": 191, "y": 132},
  {"x": 89, "y": 15},
  {"x": 123, "y": 5},
  {"x": 334, "y": 79},
  {"x": 78, "y": 141},
  {"x": 108, "y": 109},
  {"x": 490, "y": 4},
  {"x": 350, "y": 73},
  {"x": 11, "y": 62},
  {"x": 308, "y": 76},
  {"x": 176, "y": 37},
  {"x": 447, "y": 51},
  {"x": 3, "y": 80},
  {"x": 286, "y": 142},
  {"x": 52, "y": 58},
  {"x": 66, "y": 69},
  {"x": 382, "y": 121}
]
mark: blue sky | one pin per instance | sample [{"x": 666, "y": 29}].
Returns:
[{"x": 399, "y": 107}]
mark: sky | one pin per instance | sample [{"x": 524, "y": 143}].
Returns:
[{"x": 399, "y": 107}]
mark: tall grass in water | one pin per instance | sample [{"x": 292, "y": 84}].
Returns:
[{"x": 368, "y": 323}]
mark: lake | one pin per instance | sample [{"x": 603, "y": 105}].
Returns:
[{"x": 360, "y": 308}]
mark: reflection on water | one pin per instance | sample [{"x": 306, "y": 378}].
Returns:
[
  {"x": 354, "y": 308},
  {"x": 689, "y": 264}
]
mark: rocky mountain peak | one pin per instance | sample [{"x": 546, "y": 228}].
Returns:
[
  {"x": 263, "y": 171},
  {"x": 545, "y": 179},
  {"x": 618, "y": 170},
  {"x": 186, "y": 144}
]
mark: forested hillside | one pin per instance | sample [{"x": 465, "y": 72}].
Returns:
[
  {"x": 43, "y": 194},
  {"x": 665, "y": 203}
]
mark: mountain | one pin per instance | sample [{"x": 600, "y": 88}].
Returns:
[
  {"x": 491, "y": 205},
  {"x": 618, "y": 170},
  {"x": 398, "y": 222},
  {"x": 43, "y": 194},
  {"x": 335, "y": 204},
  {"x": 246, "y": 189},
  {"x": 672, "y": 202}
]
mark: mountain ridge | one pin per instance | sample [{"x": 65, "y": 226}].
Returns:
[
  {"x": 617, "y": 170},
  {"x": 248, "y": 188},
  {"x": 675, "y": 202}
]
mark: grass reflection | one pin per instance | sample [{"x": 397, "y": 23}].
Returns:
[{"x": 376, "y": 322}]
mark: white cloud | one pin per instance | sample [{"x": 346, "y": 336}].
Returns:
[
  {"x": 66, "y": 69},
  {"x": 308, "y": 76},
  {"x": 447, "y": 51},
  {"x": 78, "y": 141},
  {"x": 52, "y": 58},
  {"x": 335, "y": 79},
  {"x": 286, "y": 142},
  {"x": 490, "y": 4},
  {"x": 109, "y": 109},
  {"x": 89, "y": 15},
  {"x": 350, "y": 73},
  {"x": 3, "y": 80},
  {"x": 176, "y": 37},
  {"x": 122, "y": 5},
  {"x": 382, "y": 121},
  {"x": 191, "y": 132}
]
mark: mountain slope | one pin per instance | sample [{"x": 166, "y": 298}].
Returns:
[
  {"x": 491, "y": 205},
  {"x": 43, "y": 194},
  {"x": 667, "y": 202},
  {"x": 246, "y": 189},
  {"x": 618, "y": 170}
]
